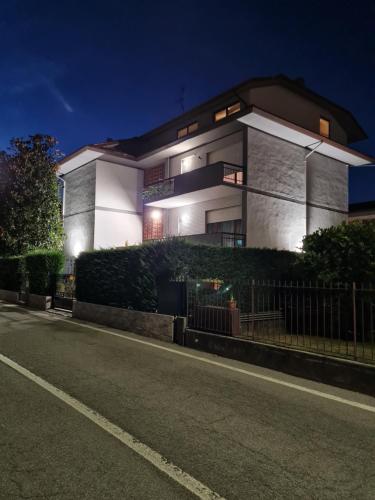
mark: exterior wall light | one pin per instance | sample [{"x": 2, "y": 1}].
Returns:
[{"x": 156, "y": 215}]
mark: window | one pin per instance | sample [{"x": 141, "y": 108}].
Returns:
[
  {"x": 187, "y": 164},
  {"x": 324, "y": 127},
  {"x": 183, "y": 132},
  {"x": 228, "y": 111},
  {"x": 229, "y": 226}
]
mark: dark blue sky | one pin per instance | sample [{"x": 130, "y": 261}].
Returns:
[{"x": 87, "y": 70}]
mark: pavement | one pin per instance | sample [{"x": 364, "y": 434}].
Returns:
[{"x": 241, "y": 431}]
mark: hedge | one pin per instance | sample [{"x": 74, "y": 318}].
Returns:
[
  {"x": 41, "y": 266},
  {"x": 128, "y": 277},
  {"x": 12, "y": 270}
]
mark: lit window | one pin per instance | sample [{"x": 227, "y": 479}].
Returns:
[
  {"x": 187, "y": 164},
  {"x": 229, "y": 110},
  {"x": 233, "y": 109},
  {"x": 183, "y": 132},
  {"x": 192, "y": 127},
  {"x": 324, "y": 127}
]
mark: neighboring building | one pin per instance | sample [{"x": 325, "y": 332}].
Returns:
[
  {"x": 362, "y": 211},
  {"x": 260, "y": 165}
]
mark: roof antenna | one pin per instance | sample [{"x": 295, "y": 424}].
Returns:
[{"x": 181, "y": 99}]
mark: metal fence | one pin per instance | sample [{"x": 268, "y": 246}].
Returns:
[
  {"x": 64, "y": 288},
  {"x": 336, "y": 319}
]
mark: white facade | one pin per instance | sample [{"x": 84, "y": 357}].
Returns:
[{"x": 293, "y": 180}]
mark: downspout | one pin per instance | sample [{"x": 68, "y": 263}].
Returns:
[{"x": 313, "y": 150}]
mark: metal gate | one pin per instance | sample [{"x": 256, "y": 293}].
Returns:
[{"x": 64, "y": 290}]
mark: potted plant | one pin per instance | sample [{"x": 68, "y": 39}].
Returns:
[{"x": 232, "y": 304}]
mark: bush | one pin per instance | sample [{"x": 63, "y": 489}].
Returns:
[
  {"x": 41, "y": 266},
  {"x": 128, "y": 277},
  {"x": 343, "y": 253},
  {"x": 12, "y": 271}
]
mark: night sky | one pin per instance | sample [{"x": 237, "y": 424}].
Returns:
[{"x": 86, "y": 71}]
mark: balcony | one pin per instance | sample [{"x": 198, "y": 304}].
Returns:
[
  {"x": 231, "y": 240},
  {"x": 206, "y": 183}
]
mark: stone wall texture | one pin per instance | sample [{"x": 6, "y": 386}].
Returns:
[{"x": 157, "y": 326}]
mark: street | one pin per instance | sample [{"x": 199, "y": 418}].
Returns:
[{"x": 219, "y": 427}]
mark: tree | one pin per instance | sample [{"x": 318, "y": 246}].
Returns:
[
  {"x": 343, "y": 253},
  {"x": 30, "y": 215}
]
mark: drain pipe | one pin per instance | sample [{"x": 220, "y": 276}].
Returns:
[{"x": 317, "y": 144}]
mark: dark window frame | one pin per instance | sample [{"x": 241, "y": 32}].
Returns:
[
  {"x": 187, "y": 127},
  {"x": 226, "y": 111}
]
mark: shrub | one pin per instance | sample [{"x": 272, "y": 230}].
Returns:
[
  {"x": 12, "y": 271},
  {"x": 343, "y": 253},
  {"x": 128, "y": 277},
  {"x": 41, "y": 266}
]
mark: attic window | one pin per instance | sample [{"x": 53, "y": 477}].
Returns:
[
  {"x": 229, "y": 110},
  {"x": 324, "y": 127},
  {"x": 183, "y": 132}
]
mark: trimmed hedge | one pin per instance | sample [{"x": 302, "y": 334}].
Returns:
[
  {"x": 41, "y": 266},
  {"x": 12, "y": 271},
  {"x": 128, "y": 277}
]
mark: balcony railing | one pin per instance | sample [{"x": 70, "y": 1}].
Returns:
[
  {"x": 232, "y": 240},
  {"x": 202, "y": 178}
]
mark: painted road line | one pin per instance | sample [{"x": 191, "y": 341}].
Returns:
[
  {"x": 249, "y": 373},
  {"x": 153, "y": 457}
]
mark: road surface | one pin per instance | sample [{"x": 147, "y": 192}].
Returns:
[{"x": 93, "y": 413}]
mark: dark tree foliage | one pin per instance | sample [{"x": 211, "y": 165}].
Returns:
[
  {"x": 343, "y": 253},
  {"x": 29, "y": 206}
]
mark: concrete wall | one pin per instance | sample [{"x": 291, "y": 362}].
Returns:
[
  {"x": 157, "y": 326},
  {"x": 277, "y": 168},
  {"x": 298, "y": 196},
  {"x": 227, "y": 149},
  {"x": 296, "y": 109},
  {"x": 193, "y": 217},
  {"x": 79, "y": 219},
  {"x": 274, "y": 223},
  {"x": 118, "y": 205},
  {"x": 327, "y": 185}
]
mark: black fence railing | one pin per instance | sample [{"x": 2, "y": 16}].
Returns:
[
  {"x": 338, "y": 319},
  {"x": 63, "y": 293}
]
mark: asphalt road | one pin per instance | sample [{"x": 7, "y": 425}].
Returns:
[{"x": 225, "y": 425}]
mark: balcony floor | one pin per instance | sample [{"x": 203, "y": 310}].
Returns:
[{"x": 211, "y": 193}]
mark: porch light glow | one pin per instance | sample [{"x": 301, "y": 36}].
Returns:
[
  {"x": 186, "y": 164},
  {"x": 185, "y": 218},
  {"x": 156, "y": 215},
  {"x": 77, "y": 249}
]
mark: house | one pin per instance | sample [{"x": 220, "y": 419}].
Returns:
[
  {"x": 260, "y": 165},
  {"x": 362, "y": 211}
]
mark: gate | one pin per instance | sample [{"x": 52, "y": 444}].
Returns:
[{"x": 64, "y": 290}]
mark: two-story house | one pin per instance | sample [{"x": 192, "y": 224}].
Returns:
[{"x": 260, "y": 165}]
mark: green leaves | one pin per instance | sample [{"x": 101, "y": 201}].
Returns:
[
  {"x": 343, "y": 253},
  {"x": 29, "y": 206}
]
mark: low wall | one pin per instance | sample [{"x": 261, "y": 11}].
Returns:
[
  {"x": 41, "y": 302},
  {"x": 9, "y": 296},
  {"x": 157, "y": 326},
  {"x": 328, "y": 370}
]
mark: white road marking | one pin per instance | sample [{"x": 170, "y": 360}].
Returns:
[
  {"x": 266, "y": 378},
  {"x": 190, "y": 483}
]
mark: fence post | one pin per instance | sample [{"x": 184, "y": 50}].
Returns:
[
  {"x": 253, "y": 307},
  {"x": 354, "y": 320}
]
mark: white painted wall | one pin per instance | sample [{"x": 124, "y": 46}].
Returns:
[
  {"x": 118, "y": 205},
  {"x": 116, "y": 229},
  {"x": 227, "y": 149},
  {"x": 191, "y": 219}
]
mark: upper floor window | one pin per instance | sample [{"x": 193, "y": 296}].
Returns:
[
  {"x": 189, "y": 129},
  {"x": 324, "y": 127},
  {"x": 229, "y": 110}
]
